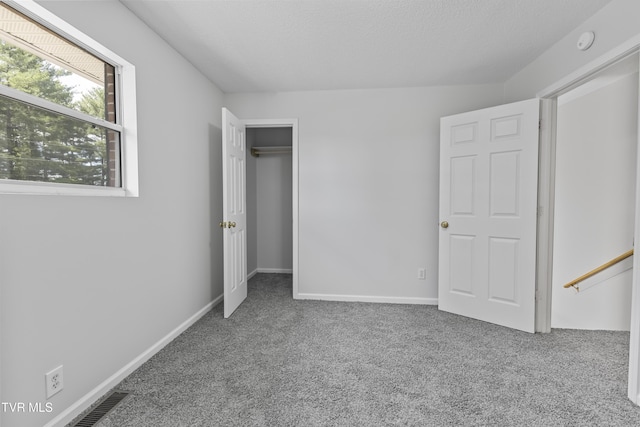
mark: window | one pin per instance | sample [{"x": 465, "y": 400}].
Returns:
[{"x": 67, "y": 109}]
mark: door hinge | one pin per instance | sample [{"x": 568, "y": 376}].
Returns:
[
  {"x": 540, "y": 210},
  {"x": 539, "y": 124}
]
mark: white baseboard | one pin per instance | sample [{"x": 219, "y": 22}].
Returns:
[
  {"x": 87, "y": 400},
  {"x": 274, "y": 270},
  {"x": 367, "y": 298},
  {"x": 269, "y": 270}
]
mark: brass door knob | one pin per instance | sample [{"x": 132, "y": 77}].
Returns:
[
  {"x": 223, "y": 224},
  {"x": 444, "y": 224},
  {"x": 232, "y": 224}
]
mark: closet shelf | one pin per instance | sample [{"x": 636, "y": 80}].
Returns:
[{"x": 261, "y": 151}]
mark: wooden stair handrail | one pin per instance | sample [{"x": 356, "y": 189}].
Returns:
[{"x": 599, "y": 269}]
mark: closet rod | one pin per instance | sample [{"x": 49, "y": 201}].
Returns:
[{"x": 258, "y": 151}]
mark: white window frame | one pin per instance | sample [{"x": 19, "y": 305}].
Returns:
[{"x": 127, "y": 123}]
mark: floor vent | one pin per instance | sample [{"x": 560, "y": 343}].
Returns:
[{"x": 106, "y": 406}]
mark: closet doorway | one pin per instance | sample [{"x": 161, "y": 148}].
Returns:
[{"x": 271, "y": 196}]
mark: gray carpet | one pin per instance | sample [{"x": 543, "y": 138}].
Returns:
[{"x": 280, "y": 362}]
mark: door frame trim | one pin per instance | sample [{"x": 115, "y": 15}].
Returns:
[
  {"x": 546, "y": 206},
  {"x": 546, "y": 190},
  {"x": 293, "y": 124}
]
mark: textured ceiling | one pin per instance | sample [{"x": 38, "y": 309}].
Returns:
[{"x": 285, "y": 45}]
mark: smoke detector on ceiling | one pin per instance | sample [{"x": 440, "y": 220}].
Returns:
[{"x": 586, "y": 40}]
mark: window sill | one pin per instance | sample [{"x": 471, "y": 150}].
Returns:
[{"x": 53, "y": 189}]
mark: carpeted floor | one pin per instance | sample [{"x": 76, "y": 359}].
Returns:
[{"x": 280, "y": 362}]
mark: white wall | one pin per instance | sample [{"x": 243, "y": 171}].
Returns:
[
  {"x": 368, "y": 185},
  {"x": 595, "y": 206},
  {"x": 613, "y": 25},
  {"x": 91, "y": 283},
  {"x": 275, "y": 219}
]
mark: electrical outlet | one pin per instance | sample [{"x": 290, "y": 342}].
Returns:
[
  {"x": 422, "y": 273},
  {"x": 54, "y": 381}
]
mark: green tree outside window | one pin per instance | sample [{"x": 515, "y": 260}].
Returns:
[{"x": 38, "y": 145}]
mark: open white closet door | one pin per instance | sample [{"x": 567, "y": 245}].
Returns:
[
  {"x": 488, "y": 214},
  {"x": 234, "y": 222}
]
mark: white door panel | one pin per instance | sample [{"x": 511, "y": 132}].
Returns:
[
  {"x": 234, "y": 152},
  {"x": 488, "y": 197}
]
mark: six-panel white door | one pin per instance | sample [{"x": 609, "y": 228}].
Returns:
[
  {"x": 234, "y": 155},
  {"x": 488, "y": 214}
]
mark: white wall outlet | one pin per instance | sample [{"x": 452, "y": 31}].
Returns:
[
  {"x": 54, "y": 381},
  {"x": 422, "y": 273}
]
